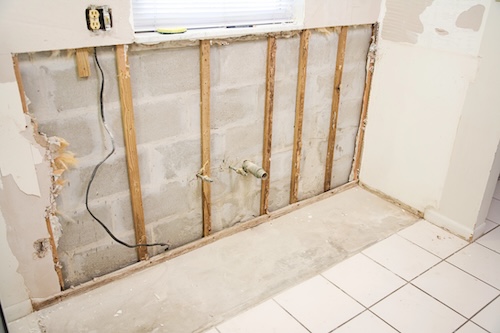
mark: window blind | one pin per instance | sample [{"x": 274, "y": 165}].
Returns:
[{"x": 152, "y": 14}]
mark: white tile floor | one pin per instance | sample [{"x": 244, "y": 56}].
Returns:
[{"x": 422, "y": 279}]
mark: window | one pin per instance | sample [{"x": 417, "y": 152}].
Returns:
[{"x": 194, "y": 14}]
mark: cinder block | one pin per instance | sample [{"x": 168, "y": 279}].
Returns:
[
  {"x": 111, "y": 178},
  {"x": 322, "y": 52},
  {"x": 78, "y": 131},
  {"x": 176, "y": 160},
  {"x": 229, "y": 106},
  {"x": 53, "y": 86},
  {"x": 174, "y": 198},
  {"x": 349, "y": 113},
  {"x": 38, "y": 85},
  {"x": 178, "y": 231},
  {"x": 341, "y": 171},
  {"x": 241, "y": 206},
  {"x": 279, "y": 195},
  {"x": 358, "y": 42},
  {"x": 245, "y": 142},
  {"x": 80, "y": 229},
  {"x": 164, "y": 71},
  {"x": 103, "y": 259},
  {"x": 353, "y": 82},
  {"x": 241, "y": 64},
  {"x": 284, "y": 113},
  {"x": 312, "y": 168},
  {"x": 287, "y": 58},
  {"x": 345, "y": 142},
  {"x": 121, "y": 214},
  {"x": 319, "y": 92},
  {"x": 72, "y": 92},
  {"x": 281, "y": 165},
  {"x": 166, "y": 118}
]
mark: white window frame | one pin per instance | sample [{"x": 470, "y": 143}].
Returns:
[{"x": 206, "y": 33}]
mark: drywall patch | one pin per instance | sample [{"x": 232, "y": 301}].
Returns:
[
  {"x": 441, "y": 32},
  {"x": 402, "y": 20},
  {"x": 471, "y": 18}
]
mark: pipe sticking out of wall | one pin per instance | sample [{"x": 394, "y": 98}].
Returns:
[{"x": 254, "y": 169}]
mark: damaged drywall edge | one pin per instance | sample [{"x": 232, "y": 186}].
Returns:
[
  {"x": 213, "y": 41},
  {"x": 17, "y": 156}
]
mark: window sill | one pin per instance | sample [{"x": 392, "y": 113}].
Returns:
[{"x": 216, "y": 33}]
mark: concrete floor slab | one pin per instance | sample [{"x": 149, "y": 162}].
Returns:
[{"x": 206, "y": 286}]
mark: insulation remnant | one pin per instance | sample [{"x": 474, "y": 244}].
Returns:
[
  {"x": 60, "y": 160},
  {"x": 215, "y": 41}
]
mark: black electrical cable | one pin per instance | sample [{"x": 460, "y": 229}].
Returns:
[{"x": 101, "y": 110}]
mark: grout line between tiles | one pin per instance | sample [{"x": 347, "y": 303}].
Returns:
[
  {"x": 291, "y": 315},
  {"x": 342, "y": 290},
  {"x": 470, "y": 319},
  {"x": 488, "y": 248},
  {"x": 383, "y": 320},
  {"x": 423, "y": 248},
  {"x": 356, "y": 316}
]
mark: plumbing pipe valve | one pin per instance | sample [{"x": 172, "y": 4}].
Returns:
[{"x": 254, "y": 169}]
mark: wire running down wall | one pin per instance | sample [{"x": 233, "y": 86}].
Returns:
[{"x": 165, "y": 83}]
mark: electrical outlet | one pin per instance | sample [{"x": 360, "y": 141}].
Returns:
[{"x": 98, "y": 18}]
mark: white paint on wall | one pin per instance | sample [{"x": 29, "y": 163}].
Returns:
[
  {"x": 15, "y": 298},
  {"x": 328, "y": 13},
  {"x": 441, "y": 31},
  {"x": 17, "y": 157},
  {"x": 474, "y": 166},
  {"x": 416, "y": 98},
  {"x": 433, "y": 118},
  {"x": 32, "y": 25}
]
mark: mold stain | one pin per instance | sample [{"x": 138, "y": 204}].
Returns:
[{"x": 471, "y": 18}]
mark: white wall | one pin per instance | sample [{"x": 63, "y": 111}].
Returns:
[
  {"x": 473, "y": 169},
  {"x": 424, "y": 110},
  {"x": 34, "y": 25}
]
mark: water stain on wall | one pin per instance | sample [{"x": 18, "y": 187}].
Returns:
[
  {"x": 471, "y": 18},
  {"x": 402, "y": 20}
]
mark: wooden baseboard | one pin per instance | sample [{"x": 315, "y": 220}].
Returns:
[{"x": 392, "y": 200}]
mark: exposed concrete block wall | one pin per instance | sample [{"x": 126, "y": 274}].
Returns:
[{"x": 165, "y": 85}]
